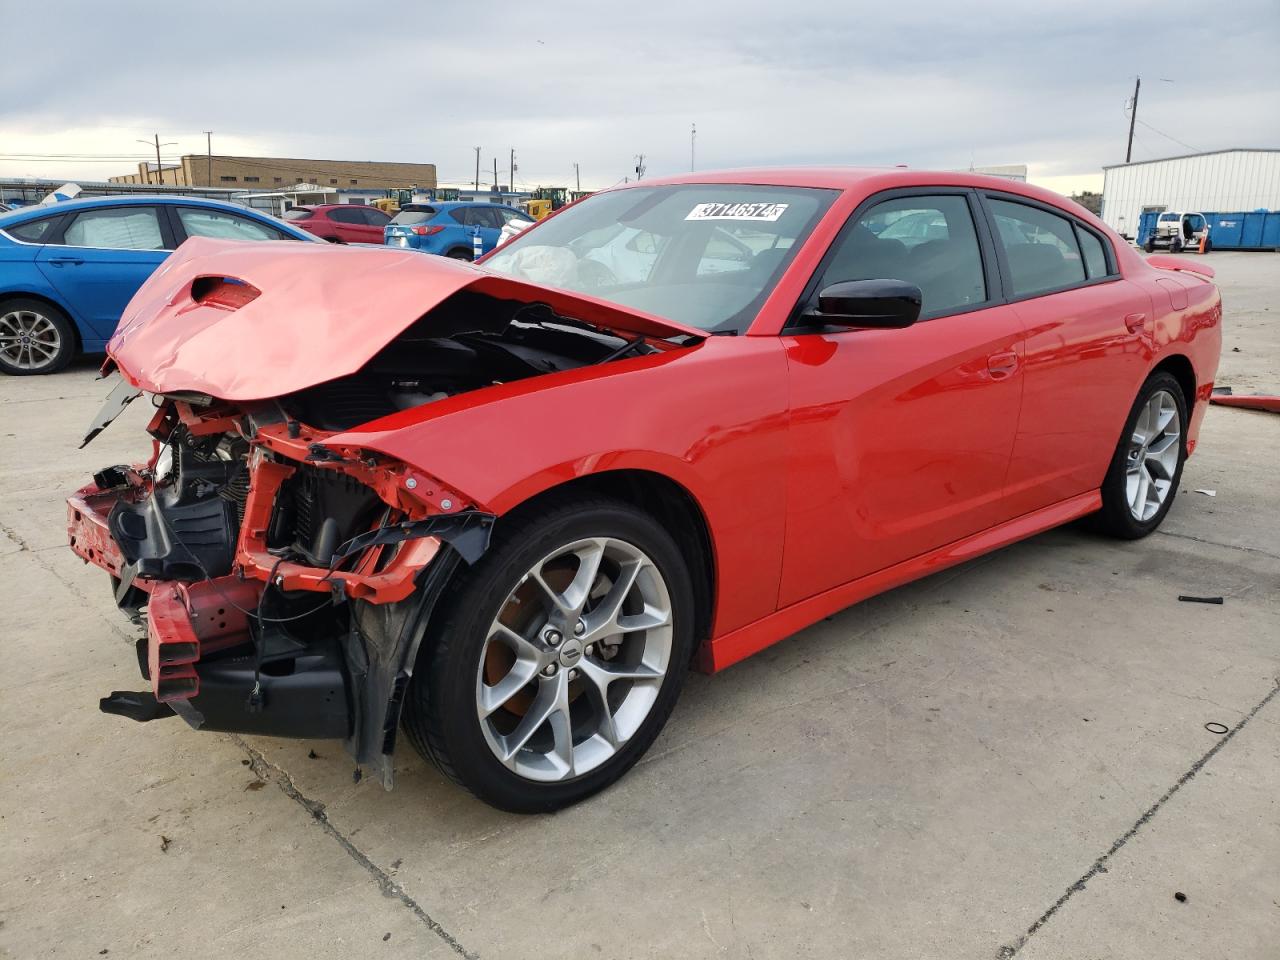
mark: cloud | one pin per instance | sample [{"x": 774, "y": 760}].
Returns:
[{"x": 930, "y": 84}]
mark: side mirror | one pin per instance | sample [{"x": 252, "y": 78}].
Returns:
[{"x": 880, "y": 304}]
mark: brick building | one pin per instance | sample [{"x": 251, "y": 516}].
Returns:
[{"x": 273, "y": 173}]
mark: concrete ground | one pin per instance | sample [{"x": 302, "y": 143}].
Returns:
[{"x": 1006, "y": 758}]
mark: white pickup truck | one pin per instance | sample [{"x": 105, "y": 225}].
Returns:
[{"x": 1178, "y": 231}]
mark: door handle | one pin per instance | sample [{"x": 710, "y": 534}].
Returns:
[
  {"x": 60, "y": 261},
  {"x": 1002, "y": 365},
  {"x": 1133, "y": 322}
]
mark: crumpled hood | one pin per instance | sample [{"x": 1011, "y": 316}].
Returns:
[{"x": 299, "y": 314}]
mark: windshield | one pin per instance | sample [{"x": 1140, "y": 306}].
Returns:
[
  {"x": 705, "y": 255},
  {"x": 1168, "y": 216}
]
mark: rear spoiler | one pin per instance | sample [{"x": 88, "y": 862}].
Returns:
[{"x": 1162, "y": 262}]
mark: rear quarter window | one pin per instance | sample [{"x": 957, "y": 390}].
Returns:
[{"x": 33, "y": 231}]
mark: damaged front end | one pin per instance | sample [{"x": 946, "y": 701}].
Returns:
[
  {"x": 286, "y": 584},
  {"x": 286, "y": 572}
]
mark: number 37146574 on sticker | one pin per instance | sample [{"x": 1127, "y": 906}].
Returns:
[{"x": 769, "y": 212}]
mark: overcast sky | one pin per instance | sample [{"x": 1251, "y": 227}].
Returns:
[{"x": 929, "y": 83}]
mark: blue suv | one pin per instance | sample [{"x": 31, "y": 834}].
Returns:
[
  {"x": 450, "y": 229},
  {"x": 68, "y": 270}
]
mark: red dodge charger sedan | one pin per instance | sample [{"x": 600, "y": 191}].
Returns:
[{"x": 506, "y": 505}]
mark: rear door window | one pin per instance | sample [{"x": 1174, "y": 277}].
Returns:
[
  {"x": 929, "y": 241},
  {"x": 1040, "y": 248},
  {"x": 347, "y": 215},
  {"x": 116, "y": 228},
  {"x": 375, "y": 217},
  {"x": 223, "y": 226}
]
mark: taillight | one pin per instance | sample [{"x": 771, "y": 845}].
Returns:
[{"x": 426, "y": 231}]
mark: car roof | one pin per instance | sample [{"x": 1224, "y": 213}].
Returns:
[
  {"x": 24, "y": 214},
  {"x": 131, "y": 200},
  {"x": 870, "y": 179}
]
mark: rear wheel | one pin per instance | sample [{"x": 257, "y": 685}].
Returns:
[
  {"x": 1147, "y": 465},
  {"x": 1149, "y": 246},
  {"x": 459, "y": 253},
  {"x": 35, "y": 338},
  {"x": 558, "y": 658},
  {"x": 1175, "y": 245}
]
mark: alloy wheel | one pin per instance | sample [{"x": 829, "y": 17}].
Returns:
[
  {"x": 28, "y": 340},
  {"x": 575, "y": 659},
  {"x": 1152, "y": 458}
]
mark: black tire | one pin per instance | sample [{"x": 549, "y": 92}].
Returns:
[
  {"x": 1149, "y": 246},
  {"x": 1175, "y": 245},
  {"x": 61, "y": 325},
  {"x": 460, "y": 253},
  {"x": 440, "y": 715},
  {"x": 1115, "y": 518}
]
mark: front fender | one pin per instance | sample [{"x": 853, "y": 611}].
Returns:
[{"x": 713, "y": 418}]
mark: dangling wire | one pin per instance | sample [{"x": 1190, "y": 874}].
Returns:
[{"x": 255, "y": 695}]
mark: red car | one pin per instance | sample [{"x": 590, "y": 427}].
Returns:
[
  {"x": 340, "y": 222},
  {"x": 504, "y": 505}
]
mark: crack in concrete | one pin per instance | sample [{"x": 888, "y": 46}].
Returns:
[
  {"x": 74, "y": 589},
  {"x": 1100, "y": 865},
  {"x": 1216, "y": 543},
  {"x": 267, "y": 770}
]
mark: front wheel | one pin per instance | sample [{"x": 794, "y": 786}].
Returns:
[
  {"x": 1149, "y": 246},
  {"x": 557, "y": 658},
  {"x": 1147, "y": 465}
]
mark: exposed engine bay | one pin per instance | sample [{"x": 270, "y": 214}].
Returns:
[
  {"x": 286, "y": 582},
  {"x": 448, "y": 353}
]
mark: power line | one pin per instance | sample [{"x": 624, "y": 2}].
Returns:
[{"x": 1167, "y": 137}]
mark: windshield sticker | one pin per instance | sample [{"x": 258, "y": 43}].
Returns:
[{"x": 767, "y": 212}]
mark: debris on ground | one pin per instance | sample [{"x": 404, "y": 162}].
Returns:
[
  {"x": 1186, "y": 599},
  {"x": 1180, "y": 897},
  {"x": 1214, "y": 727},
  {"x": 255, "y": 784},
  {"x": 1208, "y": 493},
  {"x": 1223, "y": 396},
  {"x": 312, "y": 755},
  {"x": 164, "y": 846}
]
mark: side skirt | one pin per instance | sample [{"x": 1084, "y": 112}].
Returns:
[{"x": 727, "y": 650}]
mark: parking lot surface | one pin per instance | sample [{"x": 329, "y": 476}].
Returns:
[{"x": 1008, "y": 758}]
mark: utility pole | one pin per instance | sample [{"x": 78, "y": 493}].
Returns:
[
  {"x": 512, "y": 173},
  {"x": 693, "y": 143},
  {"x": 477, "y": 169},
  {"x": 495, "y": 175},
  {"x": 640, "y": 168},
  {"x": 577, "y": 176},
  {"x": 1133, "y": 118},
  {"x": 208, "y": 142},
  {"x": 158, "y": 145}
]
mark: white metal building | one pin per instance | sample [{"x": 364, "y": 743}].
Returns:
[{"x": 1223, "y": 181}]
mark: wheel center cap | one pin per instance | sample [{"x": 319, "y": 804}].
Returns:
[{"x": 570, "y": 653}]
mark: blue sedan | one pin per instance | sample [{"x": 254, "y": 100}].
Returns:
[
  {"x": 68, "y": 270},
  {"x": 450, "y": 229}
]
